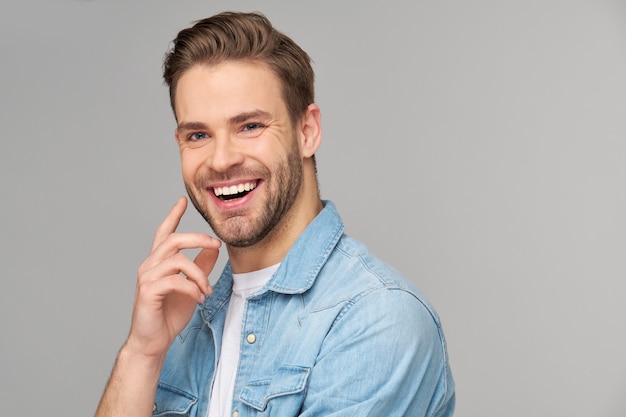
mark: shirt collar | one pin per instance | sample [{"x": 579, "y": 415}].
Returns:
[
  {"x": 298, "y": 270},
  {"x": 309, "y": 253}
]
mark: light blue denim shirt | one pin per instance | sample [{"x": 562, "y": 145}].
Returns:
[{"x": 334, "y": 332}]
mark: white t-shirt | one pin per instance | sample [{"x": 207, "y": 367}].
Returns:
[{"x": 244, "y": 285}]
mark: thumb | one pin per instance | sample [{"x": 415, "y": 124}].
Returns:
[{"x": 206, "y": 259}]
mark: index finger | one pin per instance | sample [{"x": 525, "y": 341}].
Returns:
[{"x": 170, "y": 223}]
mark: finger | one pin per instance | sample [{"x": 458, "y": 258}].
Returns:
[
  {"x": 178, "y": 264},
  {"x": 167, "y": 285},
  {"x": 206, "y": 259},
  {"x": 176, "y": 242},
  {"x": 170, "y": 223},
  {"x": 173, "y": 244}
]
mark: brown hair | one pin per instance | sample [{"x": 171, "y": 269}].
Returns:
[{"x": 246, "y": 37}]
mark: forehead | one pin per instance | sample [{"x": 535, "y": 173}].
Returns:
[{"x": 226, "y": 89}]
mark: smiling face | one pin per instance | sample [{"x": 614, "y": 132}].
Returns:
[{"x": 240, "y": 154}]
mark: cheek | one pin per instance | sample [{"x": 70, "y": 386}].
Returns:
[{"x": 190, "y": 164}]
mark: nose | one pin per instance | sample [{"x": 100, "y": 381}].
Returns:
[{"x": 225, "y": 154}]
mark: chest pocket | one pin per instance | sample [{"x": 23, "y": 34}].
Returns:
[
  {"x": 287, "y": 381},
  {"x": 170, "y": 401}
]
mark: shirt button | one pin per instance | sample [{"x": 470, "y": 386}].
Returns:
[
  {"x": 235, "y": 413},
  {"x": 251, "y": 338}
]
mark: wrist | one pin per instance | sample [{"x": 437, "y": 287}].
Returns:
[{"x": 135, "y": 357}]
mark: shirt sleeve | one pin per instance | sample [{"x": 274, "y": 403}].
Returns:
[{"x": 385, "y": 355}]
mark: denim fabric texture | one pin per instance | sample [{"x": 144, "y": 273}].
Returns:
[{"x": 334, "y": 332}]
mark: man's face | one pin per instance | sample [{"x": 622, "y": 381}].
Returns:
[{"x": 240, "y": 157}]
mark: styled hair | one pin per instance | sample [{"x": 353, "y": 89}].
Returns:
[{"x": 247, "y": 37}]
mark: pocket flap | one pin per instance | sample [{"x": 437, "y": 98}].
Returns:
[
  {"x": 170, "y": 400},
  {"x": 287, "y": 380}
]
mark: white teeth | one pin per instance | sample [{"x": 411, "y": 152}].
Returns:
[{"x": 234, "y": 189}]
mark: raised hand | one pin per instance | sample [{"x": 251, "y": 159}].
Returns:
[{"x": 169, "y": 285}]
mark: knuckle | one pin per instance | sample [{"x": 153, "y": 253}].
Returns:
[
  {"x": 162, "y": 228},
  {"x": 143, "y": 287},
  {"x": 143, "y": 268},
  {"x": 179, "y": 258}
]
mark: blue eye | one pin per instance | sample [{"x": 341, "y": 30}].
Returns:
[
  {"x": 197, "y": 136},
  {"x": 252, "y": 126}
]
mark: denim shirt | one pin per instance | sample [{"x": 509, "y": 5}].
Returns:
[{"x": 335, "y": 331}]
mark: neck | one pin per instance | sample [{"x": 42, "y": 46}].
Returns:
[{"x": 275, "y": 246}]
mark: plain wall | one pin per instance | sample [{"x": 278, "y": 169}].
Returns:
[{"x": 477, "y": 146}]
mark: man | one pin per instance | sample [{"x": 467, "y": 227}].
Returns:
[{"x": 303, "y": 321}]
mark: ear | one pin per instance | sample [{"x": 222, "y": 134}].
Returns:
[{"x": 311, "y": 131}]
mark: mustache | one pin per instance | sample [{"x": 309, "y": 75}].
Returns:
[{"x": 236, "y": 173}]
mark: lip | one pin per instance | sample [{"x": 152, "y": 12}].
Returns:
[{"x": 236, "y": 203}]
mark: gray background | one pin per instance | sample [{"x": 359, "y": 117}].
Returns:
[{"x": 478, "y": 146}]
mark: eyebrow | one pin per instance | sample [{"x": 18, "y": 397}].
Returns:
[
  {"x": 255, "y": 114},
  {"x": 239, "y": 118},
  {"x": 192, "y": 126}
]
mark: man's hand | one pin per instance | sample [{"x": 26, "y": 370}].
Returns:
[{"x": 169, "y": 285}]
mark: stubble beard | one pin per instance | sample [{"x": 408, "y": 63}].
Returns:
[{"x": 281, "y": 189}]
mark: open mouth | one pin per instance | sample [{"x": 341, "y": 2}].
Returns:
[{"x": 234, "y": 191}]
